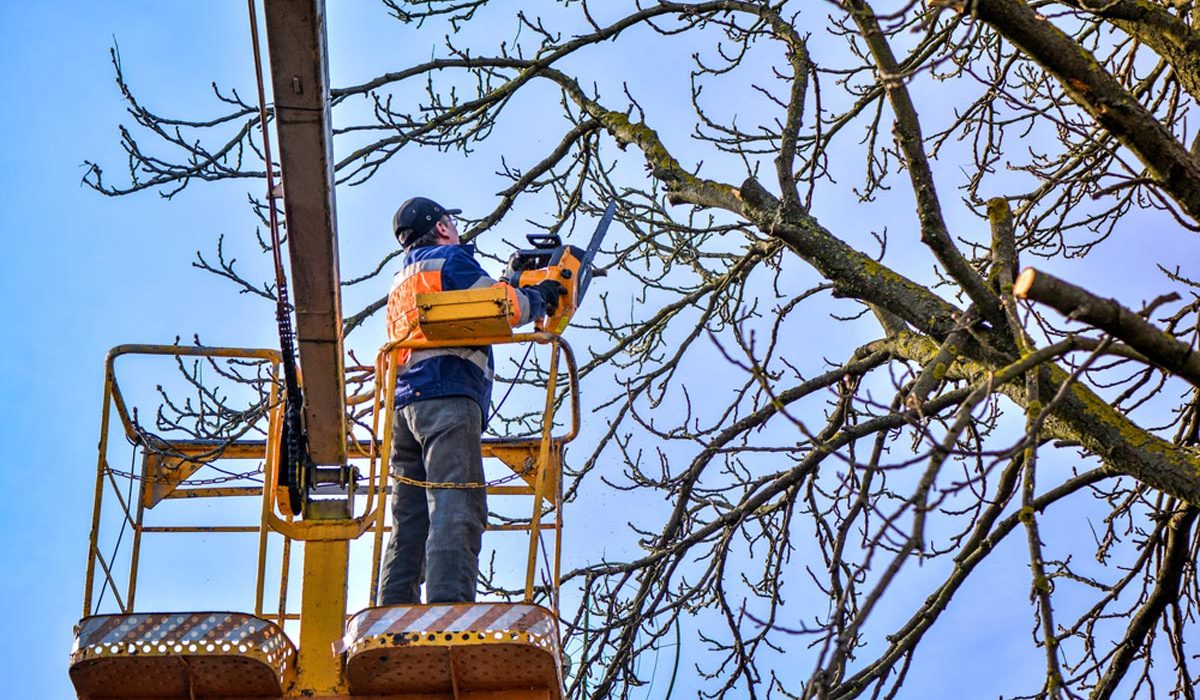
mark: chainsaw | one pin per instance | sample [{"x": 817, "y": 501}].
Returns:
[{"x": 570, "y": 266}]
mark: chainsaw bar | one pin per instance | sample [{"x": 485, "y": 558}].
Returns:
[{"x": 585, "y": 264}]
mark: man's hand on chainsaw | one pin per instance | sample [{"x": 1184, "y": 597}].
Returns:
[{"x": 550, "y": 291}]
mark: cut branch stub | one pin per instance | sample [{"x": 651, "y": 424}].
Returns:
[{"x": 1110, "y": 316}]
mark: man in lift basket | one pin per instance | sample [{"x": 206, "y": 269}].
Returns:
[{"x": 442, "y": 396}]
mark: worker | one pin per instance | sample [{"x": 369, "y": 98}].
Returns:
[{"x": 442, "y": 396}]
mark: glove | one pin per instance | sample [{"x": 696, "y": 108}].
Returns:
[{"x": 550, "y": 291}]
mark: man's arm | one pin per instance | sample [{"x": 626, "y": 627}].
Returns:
[{"x": 462, "y": 271}]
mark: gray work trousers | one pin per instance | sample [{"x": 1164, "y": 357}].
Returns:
[{"x": 436, "y": 533}]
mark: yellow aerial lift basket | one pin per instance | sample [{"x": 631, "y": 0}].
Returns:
[{"x": 488, "y": 650}]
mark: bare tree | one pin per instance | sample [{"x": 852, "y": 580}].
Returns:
[{"x": 837, "y": 420}]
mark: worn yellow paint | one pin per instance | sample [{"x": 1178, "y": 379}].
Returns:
[{"x": 322, "y": 617}]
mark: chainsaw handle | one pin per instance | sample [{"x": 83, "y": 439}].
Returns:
[{"x": 543, "y": 241}]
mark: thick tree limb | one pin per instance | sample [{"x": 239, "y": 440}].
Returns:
[
  {"x": 1155, "y": 26},
  {"x": 682, "y": 186},
  {"x": 1110, "y": 316},
  {"x": 852, "y": 273},
  {"x": 1086, "y": 81}
]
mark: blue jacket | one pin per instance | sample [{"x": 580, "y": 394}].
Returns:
[{"x": 438, "y": 372}]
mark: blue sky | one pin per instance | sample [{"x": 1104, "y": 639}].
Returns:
[{"x": 81, "y": 273}]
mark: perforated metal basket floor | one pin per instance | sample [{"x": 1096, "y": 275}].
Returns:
[
  {"x": 452, "y": 648},
  {"x": 180, "y": 655}
]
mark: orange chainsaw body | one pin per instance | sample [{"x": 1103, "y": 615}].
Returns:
[{"x": 561, "y": 264}]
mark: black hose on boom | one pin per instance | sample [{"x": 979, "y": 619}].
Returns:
[{"x": 293, "y": 460}]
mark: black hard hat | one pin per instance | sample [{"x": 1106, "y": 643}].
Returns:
[{"x": 416, "y": 217}]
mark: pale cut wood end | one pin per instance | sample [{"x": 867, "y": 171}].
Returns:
[{"x": 1024, "y": 282}]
